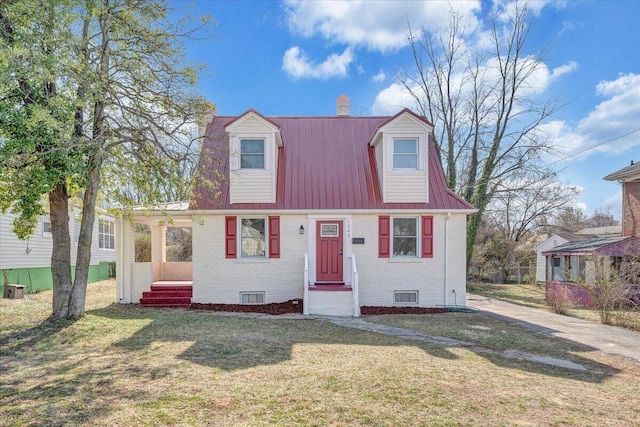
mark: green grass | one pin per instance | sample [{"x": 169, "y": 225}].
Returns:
[
  {"x": 128, "y": 365},
  {"x": 522, "y": 294}
]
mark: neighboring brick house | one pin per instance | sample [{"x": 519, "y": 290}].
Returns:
[
  {"x": 339, "y": 211},
  {"x": 629, "y": 177}
]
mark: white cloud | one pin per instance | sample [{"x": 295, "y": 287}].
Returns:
[
  {"x": 380, "y": 77},
  {"x": 582, "y": 206},
  {"x": 376, "y": 25},
  {"x": 504, "y": 9},
  {"x": 395, "y": 96},
  {"x": 298, "y": 65},
  {"x": 392, "y": 99},
  {"x": 606, "y": 127}
]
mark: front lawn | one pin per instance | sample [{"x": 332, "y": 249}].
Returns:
[{"x": 128, "y": 365}]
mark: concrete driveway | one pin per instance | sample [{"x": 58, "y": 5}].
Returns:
[{"x": 609, "y": 339}]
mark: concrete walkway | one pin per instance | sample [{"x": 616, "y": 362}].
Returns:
[{"x": 609, "y": 339}]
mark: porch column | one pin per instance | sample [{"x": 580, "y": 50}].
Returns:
[{"x": 158, "y": 250}]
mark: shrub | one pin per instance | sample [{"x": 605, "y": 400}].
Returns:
[{"x": 559, "y": 299}]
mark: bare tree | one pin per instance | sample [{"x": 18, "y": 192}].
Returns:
[
  {"x": 518, "y": 206},
  {"x": 482, "y": 103}
]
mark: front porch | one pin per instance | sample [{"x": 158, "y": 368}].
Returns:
[{"x": 154, "y": 256}]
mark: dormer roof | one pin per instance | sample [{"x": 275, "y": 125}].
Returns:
[
  {"x": 381, "y": 126},
  {"x": 237, "y": 123}
]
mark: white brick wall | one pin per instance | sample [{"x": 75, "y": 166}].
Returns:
[
  {"x": 220, "y": 280},
  {"x": 379, "y": 277}
]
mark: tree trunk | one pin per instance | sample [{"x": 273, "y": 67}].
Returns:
[
  {"x": 83, "y": 261},
  {"x": 61, "y": 253}
]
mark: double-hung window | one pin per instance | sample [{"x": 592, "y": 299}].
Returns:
[
  {"x": 46, "y": 225},
  {"x": 252, "y": 153},
  {"x": 405, "y": 237},
  {"x": 405, "y": 153},
  {"x": 252, "y": 232},
  {"x": 106, "y": 234}
]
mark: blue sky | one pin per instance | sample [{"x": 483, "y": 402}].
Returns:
[{"x": 295, "y": 58}]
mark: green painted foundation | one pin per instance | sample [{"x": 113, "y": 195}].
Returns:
[{"x": 39, "y": 279}]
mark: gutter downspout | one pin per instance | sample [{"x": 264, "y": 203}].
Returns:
[
  {"x": 121, "y": 261},
  {"x": 446, "y": 257}
]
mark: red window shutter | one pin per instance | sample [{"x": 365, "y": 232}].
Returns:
[
  {"x": 427, "y": 237},
  {"x": 274, "y": 237},
  {"x": 384, "y": 236},
  {"x": 231, "y": 231}
]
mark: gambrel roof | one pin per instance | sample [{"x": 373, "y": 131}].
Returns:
[{"x": 325, "y": 163}]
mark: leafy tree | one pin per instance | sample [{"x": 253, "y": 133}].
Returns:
[
  {"x": 88, "y": 87},
  {"x": 482, "y": 102}
]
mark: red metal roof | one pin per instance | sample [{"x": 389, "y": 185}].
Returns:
[{"x": 325, "y": 163}]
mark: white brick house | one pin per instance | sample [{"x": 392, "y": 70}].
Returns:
[{"x": 340, "y": 211}]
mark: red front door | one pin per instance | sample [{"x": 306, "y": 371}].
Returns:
[{"x": 329, "y": 251}]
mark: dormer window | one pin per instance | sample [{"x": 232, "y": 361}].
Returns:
[
  {"x": 405, "y": 153},
  {"x": 252, "y": 153}
]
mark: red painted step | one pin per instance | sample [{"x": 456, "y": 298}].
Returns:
[
  {"x": 164, "y": 294},
  {"x": 167, "y": 300},
  {"x": 167, "y": 296}
]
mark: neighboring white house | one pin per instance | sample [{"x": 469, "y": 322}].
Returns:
[
  {"x": 339, "y": 211},
  {"x": 561, "y": 238},
  {"x": 28, "y": 262}
]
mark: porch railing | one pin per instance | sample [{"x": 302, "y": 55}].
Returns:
[
  {"x": 355, "y": 287},
  {"x": 305, "y": 287}
]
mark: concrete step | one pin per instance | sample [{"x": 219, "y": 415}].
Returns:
[{"x": 331, "y": 303}]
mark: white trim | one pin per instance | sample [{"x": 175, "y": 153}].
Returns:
[
  {"x": 111, "y": 223},
  {"x": 254, "y": 258},
  {"x": 312, "y": 221},
  {"x": 417, "y": 236},
  {"x": 264, "y": 153},
  {"x": 416, "y": 141},
  {"x": 46, "y": 219},
  {"x": 235, "y": 153},
  {"x": 421, "y": 153},
  {"x": 446, "y": 257},
  {"x": 196, "y": 214}
]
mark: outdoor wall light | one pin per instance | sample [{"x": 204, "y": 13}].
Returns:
[{"x": 301, "y": 229}]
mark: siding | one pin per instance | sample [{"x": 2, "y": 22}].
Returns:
[
  {"x": 541, "y": 260},
  {"x": 380, "y": 165},
  {"x": 404, "y": 186},
  {"x": 36, "y": 251},
  {"x": 253, "y": 185}
]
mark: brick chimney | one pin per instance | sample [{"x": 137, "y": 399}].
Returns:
[{"x": 342, "y": 105}]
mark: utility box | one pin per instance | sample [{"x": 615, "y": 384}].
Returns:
[{"x": 13, "y": 291}]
